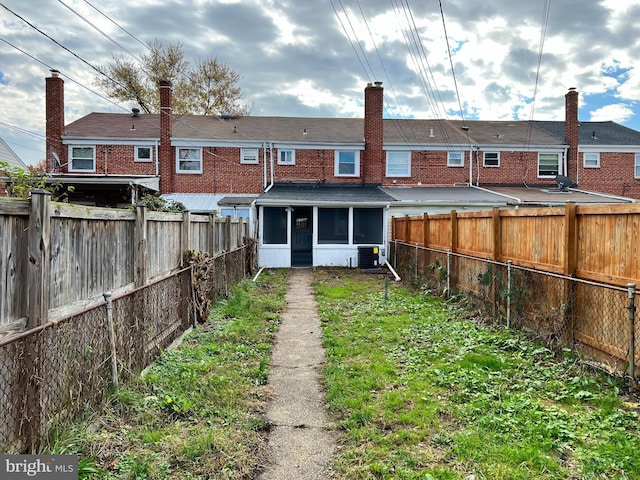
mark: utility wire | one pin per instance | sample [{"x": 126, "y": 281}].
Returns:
[{"x": 117, "y": 25}]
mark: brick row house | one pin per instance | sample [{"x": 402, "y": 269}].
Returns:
[{"x": 322, "y": 190}]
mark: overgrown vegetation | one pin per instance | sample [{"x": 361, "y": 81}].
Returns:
[
  {"x": 421, "y": 392},
  {"x": 197, "y": 413},
  {"x": 19, "y": 183},
  {"x": 159, "y": 204}
]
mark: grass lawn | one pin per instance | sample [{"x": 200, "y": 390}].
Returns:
[
  {"x": 197, "y": 413},
  {"x": 420, "y": 391}
]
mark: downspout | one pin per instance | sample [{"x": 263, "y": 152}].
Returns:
[
  {"x": 471, "y": 166},
  {"x": 264, "y": 166},
  {"x": 271, "y": 165},
  {"x": 157, "y": 160},
  {"x": 497, "y": 193}
]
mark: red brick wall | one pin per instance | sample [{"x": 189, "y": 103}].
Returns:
[
  {"x": 119, "y": 160},
  {"x": 615, "y": 175}
]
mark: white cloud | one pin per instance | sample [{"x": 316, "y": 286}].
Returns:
[{"x": 618, "y": 112}]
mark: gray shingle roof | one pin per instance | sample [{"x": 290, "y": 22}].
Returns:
[
  {"x": 594, "y": 133},
  {"x": 9, "y": 156},
  {"x": 315, "y": 194}
]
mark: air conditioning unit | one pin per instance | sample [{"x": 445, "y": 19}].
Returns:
[{"x": 368, "y": 257}]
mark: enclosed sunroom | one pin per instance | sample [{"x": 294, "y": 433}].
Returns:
[{"x": 322, "y": 225}]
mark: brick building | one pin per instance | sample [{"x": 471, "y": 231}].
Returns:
[{"x": 323, "y": 189}]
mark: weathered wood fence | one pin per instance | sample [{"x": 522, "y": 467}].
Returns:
[
  {"x": 56, "y": 258},
  {"x": 593, "y": 242}
]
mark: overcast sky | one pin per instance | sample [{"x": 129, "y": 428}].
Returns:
[{"x": 511, "y": 59}]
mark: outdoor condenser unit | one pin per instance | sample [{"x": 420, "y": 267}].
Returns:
[{"x": 368, "y": 257}]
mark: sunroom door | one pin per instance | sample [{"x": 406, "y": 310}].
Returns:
[{"x": 301, "y": 237}]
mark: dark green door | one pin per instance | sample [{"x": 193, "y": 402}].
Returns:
[{"x": 301, "y": 237}]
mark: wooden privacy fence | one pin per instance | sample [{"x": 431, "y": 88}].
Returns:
[
  {"x": 593, "y": 242},
  {"x": 57, "y": 258}
]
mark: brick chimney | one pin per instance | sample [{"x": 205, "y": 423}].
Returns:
[
  {"x": 54, "y": 114},
  {"x": 571, "y": 125},
  {"x": 373, "y": 160},
  {"x": 165, "y": 152}
]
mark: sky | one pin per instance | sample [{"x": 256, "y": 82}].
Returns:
[{"x": 455, "y": 59}]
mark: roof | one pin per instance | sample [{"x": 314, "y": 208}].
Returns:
[
  {"x": 320, "y": 194},
  {"x": 445, "y": 195},
  {"x": 196, "y": 202},
  {"x": 594, "y": 133},
  {"x": 308, "y": 130},
  {"x": 9, "y": 156}
]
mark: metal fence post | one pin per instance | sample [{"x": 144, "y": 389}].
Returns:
[
  {"x": 194, "y": 321},
  {"x": 632, "y": 337},
  {"x": 395, "y": 254},
  {"x": 416, "y": 265},
  {"x": 509, "y": 263},
  {"x": 448, "y": 273},
  {"x": 112, "y": 337}
]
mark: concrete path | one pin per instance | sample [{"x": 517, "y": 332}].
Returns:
[{"x": 301, "y": 442}]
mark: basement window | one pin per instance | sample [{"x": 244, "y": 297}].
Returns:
[{"x": 82, "y": 159}]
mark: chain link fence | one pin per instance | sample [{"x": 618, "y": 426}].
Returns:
[
  {"x": 53, "y": 374},
  {"x": 597, "y": 320}
]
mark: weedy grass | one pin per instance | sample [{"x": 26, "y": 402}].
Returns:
[
  {"x": 420, "y": 391},
  {"x": 197, "y": 413}
]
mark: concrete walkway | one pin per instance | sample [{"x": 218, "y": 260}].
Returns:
[{"x": 301, "y": 443}]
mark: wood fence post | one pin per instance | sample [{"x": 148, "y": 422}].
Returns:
[
  {"x": 39, "y": 258},
  {"x": 211, "y": 230},
  {"x": 453, "y": 269},
  {"x": 140, "y": 245},
  {"x": 227, "y": 234},
  {"x": 570, "y": 261},
  {"x": 407, "y": 229},
  {"x": 454, "y": 231},
  {"x": 185, "y": 238},
  {"x": 497, "y": 234},
  {"x": 425, "y": 230}
]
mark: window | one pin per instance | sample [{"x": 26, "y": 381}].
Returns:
[
  {"x": 548, "y": 164},
  {"x": 398, "y": 164},
  {"x": 367, "y": 225},
  {"x": 347, "y": 163},
  {"x": 455, "y": 159},
  {"x": 274, "y": 225},
  {"x": 333, "y": 225},
  {"x": 234, "y": 212},
  {"x": 591, "y": 160},
  {"x": 249, "y": 155},
  {"x": 286, "y": 157},
  {"x": 491, "y": 159},
  {"x": 143, "y": 154},
  {"x": 637, "y": 166},
  {"x": 82, "y": 159},
  {"x": 189, "y": 160}
]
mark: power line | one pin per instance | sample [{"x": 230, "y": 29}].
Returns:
[{"x": 117, "y": 25}]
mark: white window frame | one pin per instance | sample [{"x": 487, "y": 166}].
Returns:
[
  {"x": 401, "y": 162},
  {"x": 636, "y": 169},
  {"x": 591, "y": 159},
  {"x": 249, "y": 156},
  {"x": 557, "y": 155},
  {"x": 356, "y": 159},
  {"x": 452, "y": 161},
  {"x": 71, "y": 158},
  {"x": 490, "y": 165},
  {"x": 181, "y": 158},
  {"x": 289, "y": 157},
  {"x": 143, "y": 160}
]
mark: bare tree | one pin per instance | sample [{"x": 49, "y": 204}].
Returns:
[{"x": 209, "y": 88}]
